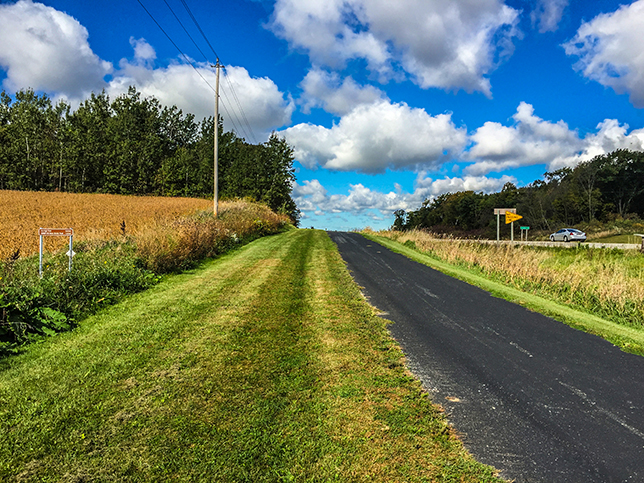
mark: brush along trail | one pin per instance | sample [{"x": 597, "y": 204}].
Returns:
[{"x": 263, "y": 365}]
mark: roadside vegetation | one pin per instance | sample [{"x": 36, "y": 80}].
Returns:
[
  {"x": 123, "y": 245},
  {"x": 616, "y": 237},
  {"x": 265, "y": 364},
  {"x": 604, "y": 194},
  {"x": 605, "y": 287}
]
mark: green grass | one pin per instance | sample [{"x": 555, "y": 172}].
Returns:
[
  {"x": 264, "y": 365},
  {"x": 632, "y": 239},
  {"x": 628, "y": 338}
]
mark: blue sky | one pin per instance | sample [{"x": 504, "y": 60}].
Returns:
[{"x": 386, "y": 103}]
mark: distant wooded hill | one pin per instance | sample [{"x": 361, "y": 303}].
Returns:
[
  {"x": 607, "y": 187},
  {"x": 134, "y": 145}
]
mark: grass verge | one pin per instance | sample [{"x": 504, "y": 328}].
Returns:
[
  {"x": 263, "y": 365},
  {"x": 629, "y": 339}
]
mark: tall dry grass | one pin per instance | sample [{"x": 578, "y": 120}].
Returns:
[
  {"x": 170, "y": 246},
  {"x": 609, "y": 282},
  {"x": 92, "y": 216},
  {"x": 162, "y": 235}
]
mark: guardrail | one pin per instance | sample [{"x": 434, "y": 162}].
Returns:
[{"x": 620, "y": 246}]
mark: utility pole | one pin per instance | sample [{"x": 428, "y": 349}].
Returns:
[{"x": 216, "y": 142}]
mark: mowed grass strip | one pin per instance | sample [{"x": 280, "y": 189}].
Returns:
[{"x": 263, "y": 365}]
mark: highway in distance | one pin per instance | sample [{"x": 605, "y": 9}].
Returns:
[{"x": 536, "y": 399}]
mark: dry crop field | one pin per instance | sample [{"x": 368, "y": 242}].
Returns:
[{"x": 92, "y": 216}]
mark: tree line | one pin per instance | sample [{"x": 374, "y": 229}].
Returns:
[
  {"x": 607, "y": 187},
  {"x": 134, "y": 145}
]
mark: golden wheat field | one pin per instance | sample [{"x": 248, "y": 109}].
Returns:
[{"x": 92, "y": 216}]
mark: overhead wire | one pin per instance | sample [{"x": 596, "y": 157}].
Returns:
[
  {"x": 206, "y": 57},
  {"x": 185, "y": 5},
  {"x": 232, "y": 89},
  {"x": 241, "y": 110},
  {"x": 185, "y": 30},
  {"x": 187, "y": 59}
]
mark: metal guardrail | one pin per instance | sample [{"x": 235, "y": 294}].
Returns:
[{"x": 619, "y": 246}]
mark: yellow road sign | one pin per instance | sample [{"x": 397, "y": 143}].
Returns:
[{"x": 510, "y": 217}]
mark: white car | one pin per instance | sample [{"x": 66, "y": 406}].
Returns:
[{"x": 568, "y": 234}]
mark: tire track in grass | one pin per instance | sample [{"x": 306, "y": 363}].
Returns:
[
  {"x": 274, "y": 420},
  {"x": 264, "y": 365}
]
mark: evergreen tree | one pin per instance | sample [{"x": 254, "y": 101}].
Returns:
[{"x": 134, "y": 145}]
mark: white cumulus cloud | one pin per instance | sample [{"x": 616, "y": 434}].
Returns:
[
  {"x": 428, "y": 187},
  {"x": 532, "y": 140},
  {"x": 547, "y": 14},
  {"x": 610, "y": 135},
  {"x": 142, "y": 50},
  {"x": 610, "y": 49},
  {"x": 45, "y": 49},
  {"x": 264, "y": 106},
  {"x": 378, "y": 136},
  {"x": 313, "y": 198},
  {"x": 449, "y": 44},
  {"x": 336, "y": 96}
]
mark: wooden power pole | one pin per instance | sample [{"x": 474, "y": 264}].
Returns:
[{"x": 216, "y": 142}]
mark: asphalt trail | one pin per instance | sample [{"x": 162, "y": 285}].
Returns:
[{"x": 536, "y": 399}]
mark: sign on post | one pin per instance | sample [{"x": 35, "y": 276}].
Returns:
[
  {"x": 42, "y": 232},
  {"x": 511, "y": 217},
  {"x": 56, "y": 232},
  {"x": 498, "y": 212},
  {"x": 524, "y": 229}
]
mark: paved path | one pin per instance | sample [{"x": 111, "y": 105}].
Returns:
[{"x": 536, "y": 399}]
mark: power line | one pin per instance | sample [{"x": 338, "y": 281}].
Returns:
[
  {"x": 185, "y": 5},
  {"x": 241, "y": 110},
  {"x": 186, "y": 31},
  {"x": 187, "y": 59},
  {"x": 175, "y": 45},
  {"x": 235, "y": 128},
  {"x": 206, "y": 58},
  {"x": 231, "y": 117}
]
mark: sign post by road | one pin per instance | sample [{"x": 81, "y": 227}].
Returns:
[
  {"x": 502, "y": 211},
  {"x": 524, "y": 229},
  {"x": 57, "y": 232},
  {"x": 639, "y": 234},
  {"x": 511, "y": 218}
]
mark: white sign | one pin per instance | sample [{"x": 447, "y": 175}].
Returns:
[{"x": 42, "y": 232}]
